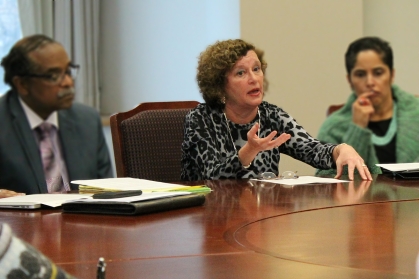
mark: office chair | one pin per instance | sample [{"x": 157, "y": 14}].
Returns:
[
  {"x": 147, "y": 140},
  {"x": 332, "y": 108}
]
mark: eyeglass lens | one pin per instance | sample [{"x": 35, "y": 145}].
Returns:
[
  {"x": 72, "y": 72},
  {"x": 284, "y": 175},
  {"x": 288, "y": 175},
  {"x": 267, "y": 175}
]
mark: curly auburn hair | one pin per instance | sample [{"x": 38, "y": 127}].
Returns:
[{"x": 215, "y": 63}]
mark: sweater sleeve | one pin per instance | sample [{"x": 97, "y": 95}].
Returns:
[
  {"x": 338, "y": 130},
  {"x": 302, "y": 146}
]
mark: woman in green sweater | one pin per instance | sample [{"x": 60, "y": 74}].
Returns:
[{"x": 379, "y": 120}]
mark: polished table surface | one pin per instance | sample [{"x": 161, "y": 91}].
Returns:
[{"x": 245, "y": 229}]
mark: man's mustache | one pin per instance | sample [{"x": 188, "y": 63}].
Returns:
[{"x": 65, "y": 92}]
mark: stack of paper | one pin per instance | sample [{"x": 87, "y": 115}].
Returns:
[
  {"x": 302, "y": 180},
  {"x": 156, "y": 196},
  {"x": 128, "y": 183}
]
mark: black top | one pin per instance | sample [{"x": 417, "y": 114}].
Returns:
[{"x": 386, "y": 154}]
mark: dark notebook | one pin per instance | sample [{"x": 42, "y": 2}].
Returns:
[
  {"x": 405, "y": 174},
  {"x": 401, "y": 170},
  {"x": 134, "y": 208}
]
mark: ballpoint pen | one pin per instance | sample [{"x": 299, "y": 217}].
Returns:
[{"x": 101, "y": 266}]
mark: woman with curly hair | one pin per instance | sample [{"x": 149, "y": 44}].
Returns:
[{"x": 235, "y": 134}]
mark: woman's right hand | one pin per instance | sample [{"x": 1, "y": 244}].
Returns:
[
  {"x": 8, "y": 193},
  {"x": 362, "y": 109}
]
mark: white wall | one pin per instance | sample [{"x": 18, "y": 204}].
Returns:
[
  {"x": 149, "y": 48},
  {"x": 397, "y": 22}
]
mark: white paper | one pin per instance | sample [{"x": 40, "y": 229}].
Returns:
[
  {"x": 143, "y": 197},
  {"x": 127, "y": 183},
  {"x": 302, "y": 180},
  {"x": 52, "y": 200},
  {"x": 400, "y": 167}
]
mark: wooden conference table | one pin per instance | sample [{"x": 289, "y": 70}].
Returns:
[{"x": 245, "y": 229}]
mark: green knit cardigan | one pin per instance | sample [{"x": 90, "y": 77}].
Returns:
[{"x": 339, "y": 128}]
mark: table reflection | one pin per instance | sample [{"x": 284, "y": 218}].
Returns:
[
  {"x": 372, "y": 222},
  {"x": 349, "y": 194},
  {"x": 372, "y": 244}
]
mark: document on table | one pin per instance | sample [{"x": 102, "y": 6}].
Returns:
[
  {"x": 36, "y": 200},
  {"x": 128, "y": 183},
  {"x": 401, "y": 167},
  {"x": 302, "y": 180}
]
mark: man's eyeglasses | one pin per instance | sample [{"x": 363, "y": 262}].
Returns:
[
  {"x": 57, "y": 78},
  {"x": 271, "y": 175}
]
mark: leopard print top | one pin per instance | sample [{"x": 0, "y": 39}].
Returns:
[{"x": 208, "y": 152}]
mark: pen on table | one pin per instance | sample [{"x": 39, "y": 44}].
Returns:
[{"x": 101, "y": 265}]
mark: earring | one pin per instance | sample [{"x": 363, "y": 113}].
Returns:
[{"x": 223, "y": 100}]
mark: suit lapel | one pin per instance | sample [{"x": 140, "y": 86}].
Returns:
[
  {"x": 70, "y": 142},
  {"x": 27, "y": 142}
]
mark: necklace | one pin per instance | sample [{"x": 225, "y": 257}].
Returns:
[
  {"x": 391, "y": 131},
  {"x": 229, "y": 131}
]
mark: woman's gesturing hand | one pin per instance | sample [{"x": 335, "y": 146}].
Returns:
[{"x": 255, "y": 144}]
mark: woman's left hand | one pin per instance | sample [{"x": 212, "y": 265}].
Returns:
[
  {"x": 344, "y": 154},
  {"x": 254, "y": 144}
]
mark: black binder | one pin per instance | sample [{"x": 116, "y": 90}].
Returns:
[
  {"x": 134, "y": 208},
  {"x": 406, "y": 174},
  {"x": 402, "y": 171}
]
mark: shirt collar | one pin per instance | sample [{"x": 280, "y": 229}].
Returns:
[{"x": 35, "y": 120}]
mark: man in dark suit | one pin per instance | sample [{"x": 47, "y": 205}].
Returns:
[{"x": 41, "y": 76}]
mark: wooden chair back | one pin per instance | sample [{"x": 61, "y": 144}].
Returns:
[
  {"x": 147, "y": 140},
  {"x": 332, "y": 108}
]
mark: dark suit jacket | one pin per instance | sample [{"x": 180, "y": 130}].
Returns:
[{"x": 82, "y": 140}]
